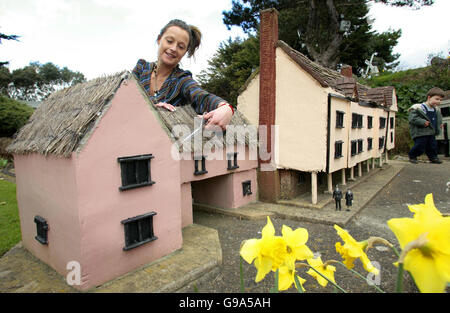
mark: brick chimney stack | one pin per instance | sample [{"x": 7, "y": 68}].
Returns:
[
  {"x": 267, "y": 70},
  {"x": 346, "y": 71},
  {"x": 268, "y": 176}
]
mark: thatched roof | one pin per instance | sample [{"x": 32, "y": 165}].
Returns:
[
  {"x": 64, "y": 121},
  {"x": 186, "y": 115}
]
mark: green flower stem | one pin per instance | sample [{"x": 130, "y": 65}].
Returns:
[
  {"x": 395, "y": 251},
  {"x": 297, "y": 282},
  {"x": 360, "y": 276},
  {"x": 241, "y": 270},
  {"x": 330, "y": 281},
  {"x": 399, "y": 287},
  {"x": 276, "y": 289}
]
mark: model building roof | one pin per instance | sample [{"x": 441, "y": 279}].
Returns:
[{"x": 65, "y": 119}]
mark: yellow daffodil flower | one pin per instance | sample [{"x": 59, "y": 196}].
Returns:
[
  {"x": 327, "y": 271},
  {"x": 352, "y": 250},
  {"x": 268, "y": 252},
  {"x": 426, "y": 238},
  {"x": 296, "y": 244},
  {"x": 286, "y": 274}
]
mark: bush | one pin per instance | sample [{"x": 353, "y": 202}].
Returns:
[
  {"x": 403, "y": 140},
  {"x": 13, "y": 115},
  {"x": 5, "y": 142}
]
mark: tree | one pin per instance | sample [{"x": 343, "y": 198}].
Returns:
[
  {"x": 13, "y": 115},
  {"x": 7, "y": 37},
  {"x": 36, "y": 81},
  {"x": 230, "y": 67},
  {"x": 317, "y": 28}
]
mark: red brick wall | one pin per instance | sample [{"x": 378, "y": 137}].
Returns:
[
  {"x": 346, "y": 70},
  {"x": 268, "y": 41}
]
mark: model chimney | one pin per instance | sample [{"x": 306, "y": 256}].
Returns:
[
  {"x": 268, "y": 178},
  {"x": 267, "y": 68},
  {"x": 346, "y": 71}
]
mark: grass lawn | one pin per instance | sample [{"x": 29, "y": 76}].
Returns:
[{"x": 9, "y": 217}]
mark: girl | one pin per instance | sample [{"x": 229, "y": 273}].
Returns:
[{"x": 169, "y": 86}]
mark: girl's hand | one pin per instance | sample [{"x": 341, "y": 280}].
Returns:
[
  {"x": 220, "y": 116},
  {"x": 167, "y": 106}
]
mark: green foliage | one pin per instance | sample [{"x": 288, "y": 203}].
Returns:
[
  {"x": 7, "y": 37},
  {"x": 13, "y": 115},
  {"x": 3, "y": 163},
  {"x": 36, "y": 81},
  {"x": 403, "y": 140},
  {"x": 317, "y": 31},
  {"x": 411, "y": 86},
  {"x": 9, "y": 217},
  {"x": 230, "y": 67}
]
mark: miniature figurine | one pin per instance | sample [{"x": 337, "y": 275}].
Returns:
[
  {"x": 337, "y": 196},
  {"x": 348, "y": 199}
]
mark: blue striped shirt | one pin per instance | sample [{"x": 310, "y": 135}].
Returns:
[{"x": 179, "y": 88}]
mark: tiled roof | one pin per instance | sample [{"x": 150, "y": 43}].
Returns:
[{"x": 345, "y": 85}]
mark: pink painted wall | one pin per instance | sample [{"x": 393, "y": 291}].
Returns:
[
  {"x": 186, "y": 205},
  {"x": 128, "y": 128},
  {"x": 218, "y": 165},
  {"x": 46, "y": 186},
  {"x": 225, "y": 191}
]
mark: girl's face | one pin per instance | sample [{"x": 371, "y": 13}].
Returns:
[{"x": 173, "y": 45}]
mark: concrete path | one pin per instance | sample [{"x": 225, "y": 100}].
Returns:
[{"x": 364, "y": 189}]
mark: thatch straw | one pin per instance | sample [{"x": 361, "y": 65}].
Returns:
[
  {"x": 185, "y": 116},
  {"x": 64, "y": 121}
]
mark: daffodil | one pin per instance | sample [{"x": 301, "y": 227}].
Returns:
[
  {"x": 268, "y": 252},
  {"x": 352, "y": 250},
  {"x": 425, "y": 241},
  {"x": 325, "y": 270},
  {"x": 286, "y": 276},
  {"x": 296, "y": 244}
]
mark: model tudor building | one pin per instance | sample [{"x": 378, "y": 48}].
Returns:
[
  {"x": 327, "y": 123},
  {"x": 443, "y": 139},
  {"x": 103, "y": 180}
]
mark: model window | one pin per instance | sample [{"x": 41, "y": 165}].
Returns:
[
  {"x": 41, "y": 229},
  {"x": 360, "y": 145},
  {"x": 203, "y": 164},
  {"x": 369, "y": 144},
  {"x": 338, "y": 149},
  {"x": 138, "y": 230},
  {"x": 369, "y": 122},
  {"x": 339, "y": 119},
  {"x": 445, "y": 112},
  {"x": 354, "y": 147},
  {"x": 232, "y": 161},
  {"x": 354, "y": 120},
  {"x": 135, "y": 171},
  {"x": 381, "y": 143},
  {"x": 382, "y": 122},
  {"x": 247, "y": 187}
]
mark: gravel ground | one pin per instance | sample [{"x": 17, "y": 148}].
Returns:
[{"x": 409, "y": 187}]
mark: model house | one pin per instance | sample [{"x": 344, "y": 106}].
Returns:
[
  {"x": 106, "y": 179},
  {"x": 325, "y": 124},
  {"x": 443, "y": 138}
]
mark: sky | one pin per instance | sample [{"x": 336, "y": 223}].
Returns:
[{"x": 97, "y": 37}]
